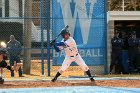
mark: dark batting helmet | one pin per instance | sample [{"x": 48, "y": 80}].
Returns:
[{"x": 64, "y": 32}]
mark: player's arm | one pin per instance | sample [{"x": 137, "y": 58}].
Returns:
[
  {"x": 19, "y": 47},
  {"x": 8, "y": 48},
  {"x": 60, "y": 44},
  {"x": 56, "y": 48},
  {"x": 57, "y": 45}
]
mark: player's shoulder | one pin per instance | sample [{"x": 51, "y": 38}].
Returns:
[
  {"x": 71, "y": 38},
  {"x": 17, "y": 41},
  {"x": 9, "y": 42}
]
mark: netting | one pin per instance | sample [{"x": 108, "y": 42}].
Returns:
[{"x": 35, "y": 22}]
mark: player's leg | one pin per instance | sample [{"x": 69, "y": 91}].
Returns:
[
  {"x": 12, "y": 59},
  {"x": 121, "y": 70},
  {"x": 1, "y": 70},
  {"x": 138, "y": 63},
  {"x": 113, "y": 59},
  {"x": 84, "y": 67},
  {"x": 66, "y": 63},
  {"x": 1, "y": 79},
  {"x": 18, "y": 62}
]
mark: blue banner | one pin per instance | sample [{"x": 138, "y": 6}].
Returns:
[{"x": 86, "y": 22}]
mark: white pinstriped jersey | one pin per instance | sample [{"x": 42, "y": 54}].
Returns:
[{"x": 70, "y": 47}]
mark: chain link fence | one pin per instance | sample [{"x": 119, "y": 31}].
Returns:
[
  {"x": 28, "y": 21},
  {"x": 87, "y": 21},
  {"x": 22, "y": 18}
]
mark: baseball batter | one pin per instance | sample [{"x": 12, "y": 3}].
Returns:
[{"x": 72, "y": 55}]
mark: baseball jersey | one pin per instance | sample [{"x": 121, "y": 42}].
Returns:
[{"x": 70, "y": 47}]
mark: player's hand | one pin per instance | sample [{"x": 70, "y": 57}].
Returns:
[
  {"x": 16, "y": 66},
  {"x": 52, "y": 43}
]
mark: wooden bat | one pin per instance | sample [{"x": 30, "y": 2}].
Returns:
[{"x": 52, "y": 41}]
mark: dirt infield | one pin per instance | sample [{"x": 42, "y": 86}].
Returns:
[{"x": 60, "y": 83}]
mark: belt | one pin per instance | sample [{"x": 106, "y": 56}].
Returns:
[{"x": 74, "y": 56}]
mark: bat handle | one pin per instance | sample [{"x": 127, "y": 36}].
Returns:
[{"x": 66, "y": 27}]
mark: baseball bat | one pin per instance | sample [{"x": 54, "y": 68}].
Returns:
[{"x": 51, "y": 43}]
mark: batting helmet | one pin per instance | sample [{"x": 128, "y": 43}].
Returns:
[{"x": 64, "y": 32}]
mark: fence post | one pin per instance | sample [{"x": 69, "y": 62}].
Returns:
[
  {"x": 105, "y": 23},
  {"x": 42, "y": 35},
  {"x": 48, "y": 33},
  {"x": 27, "y": 36}
]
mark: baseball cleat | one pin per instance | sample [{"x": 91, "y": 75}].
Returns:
[
  {"x": 92, "y": 80},
  {"x": 110, "y": 73},
  {"x": 21, "y": 76},
  {"x": 54, "y": 79}
]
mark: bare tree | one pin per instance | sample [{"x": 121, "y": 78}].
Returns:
[
  {"x": 130, "y": 5},
  {"x": 134, "y": 4}
]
